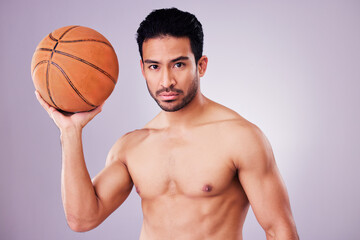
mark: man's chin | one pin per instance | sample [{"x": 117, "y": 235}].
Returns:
[
  {"x": 170, "y": 109},
  {"x": 170, "y": 106}
]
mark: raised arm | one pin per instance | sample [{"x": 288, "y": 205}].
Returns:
[
  {"x": 87, "y": 203},
  {"x": 263, "y": 185}
]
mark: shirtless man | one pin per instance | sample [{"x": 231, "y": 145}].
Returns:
[{"x": 197, "y": 166}]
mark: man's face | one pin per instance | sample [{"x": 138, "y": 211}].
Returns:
[{"x": 170, "y": 71}]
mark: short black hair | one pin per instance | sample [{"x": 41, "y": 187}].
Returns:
[{"x": 172, "y": 22}]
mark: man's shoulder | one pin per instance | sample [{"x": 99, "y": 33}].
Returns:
[
  {"x": 235, "y": 129},
  {"x": 132, "y": 138},
  {"x": 124, "y": 143},
  {"x": 245, "y": 142},
  {"x": 228, "y": 119}
]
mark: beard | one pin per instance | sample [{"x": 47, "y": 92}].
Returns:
[{"x": 185, "y": 101}]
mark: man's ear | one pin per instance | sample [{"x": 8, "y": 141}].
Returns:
[
  {"x": 202, "y": 65},
  {"x": 142, "y": 67}
]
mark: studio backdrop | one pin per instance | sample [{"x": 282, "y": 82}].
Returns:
[{"x": 290, "y": 67}]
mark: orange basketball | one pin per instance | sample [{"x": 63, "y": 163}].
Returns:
[{"x": 74, "y": 68}]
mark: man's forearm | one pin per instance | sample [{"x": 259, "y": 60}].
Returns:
[{"x": 78, "y": 194}]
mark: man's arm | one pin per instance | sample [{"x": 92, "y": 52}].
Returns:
[
  {"x": 261, "y": 180},
  {"x": 87, "y": 203}
]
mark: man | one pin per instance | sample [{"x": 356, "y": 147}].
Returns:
[{"x": 196, "y": 166}]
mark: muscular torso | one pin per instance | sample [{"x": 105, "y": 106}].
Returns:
[{"x": 187, "y": 181}]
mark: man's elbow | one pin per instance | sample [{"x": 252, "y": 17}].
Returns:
[
  {"x": 284, "y": 232},
  {"x": 80, "y": 225},
  {"x": 285, "y": 235}
]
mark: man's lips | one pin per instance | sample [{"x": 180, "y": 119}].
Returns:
[{"x": 166, "y": 96}]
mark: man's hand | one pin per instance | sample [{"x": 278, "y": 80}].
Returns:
[{"x": 62, "y": 121}]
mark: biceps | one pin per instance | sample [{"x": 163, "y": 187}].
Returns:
[
  {"x": 267, "y": 195},
  {"x": 112, "y": 186}
]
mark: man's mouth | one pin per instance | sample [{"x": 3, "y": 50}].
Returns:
[{"x": 166, "y": 96}]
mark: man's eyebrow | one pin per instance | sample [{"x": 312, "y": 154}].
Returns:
[
  {"x": 151, "y": 61},
  {"x": 180, "y": 58}
]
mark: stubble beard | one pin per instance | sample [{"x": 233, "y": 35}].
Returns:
[{"x": 185, "y": 101}]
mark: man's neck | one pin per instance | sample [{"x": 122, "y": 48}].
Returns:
[{"x": 186, "y": 116}]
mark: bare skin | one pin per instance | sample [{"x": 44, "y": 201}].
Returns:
[{"x": 197, "y": 169}]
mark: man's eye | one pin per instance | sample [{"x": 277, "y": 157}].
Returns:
[
  {"x": 179, "y": 65},
  {"x": 153, "y": 67}
]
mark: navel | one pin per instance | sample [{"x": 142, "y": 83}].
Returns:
[{"x": 207, "y": 188}]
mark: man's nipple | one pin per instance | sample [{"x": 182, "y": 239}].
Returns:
[{"x": 207, "y": 188}]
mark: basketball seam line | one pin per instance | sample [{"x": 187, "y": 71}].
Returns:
[
  {"x": 41, "y": 62},
  {"x": 48, "y": 66},
  {"x": 47, "y": 83},
  {"x": 86, "y": 40},
  {"x": 79, "y": 40},
  {"x": 47, "y": 75},
  {"x": 86, "y": 62},
  {"x": 52, "y": 37},
  {"x": 44, "y": 49},
  {"x": 81, "y": 60},
  {"x": 72, "y": 85},
  {"x": 68, "y": 30}
]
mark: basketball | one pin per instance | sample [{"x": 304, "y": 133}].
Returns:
[{"x": 74, "y": 69}]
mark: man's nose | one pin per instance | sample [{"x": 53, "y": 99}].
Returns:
[{"x": 167, "y": 79}]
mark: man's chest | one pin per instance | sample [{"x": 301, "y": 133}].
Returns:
[{"x": 193, "y": 167}]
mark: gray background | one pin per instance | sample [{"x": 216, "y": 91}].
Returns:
[{"x": 291, "y": 67}]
